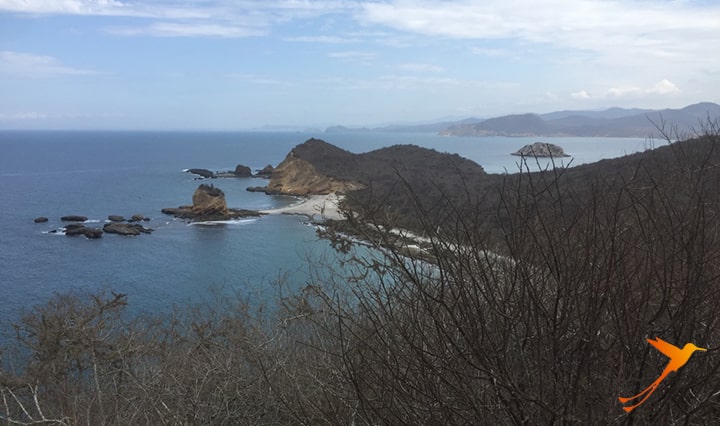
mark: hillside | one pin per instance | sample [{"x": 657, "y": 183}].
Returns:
[
  {"x": 404, "y": 180},
  {"x": 614, "y": 122},
  {"x": 391, "y": 177}
]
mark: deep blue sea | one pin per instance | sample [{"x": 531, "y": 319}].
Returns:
[{"x": 96, "y": 174}]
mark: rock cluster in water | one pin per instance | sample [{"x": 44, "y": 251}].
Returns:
[
  {"x": 116, "y": 225},
  {"x": 240, "y": 171}
]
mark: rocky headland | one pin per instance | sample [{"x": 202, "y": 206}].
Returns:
[
  {"x": 297, "y": 175},
  {"x": 386, "y": 177}
]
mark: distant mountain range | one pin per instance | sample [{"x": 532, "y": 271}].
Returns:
[{"x": 613, "y": 122}]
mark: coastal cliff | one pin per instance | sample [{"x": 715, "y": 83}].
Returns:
[{"x": 297, "y": 176}]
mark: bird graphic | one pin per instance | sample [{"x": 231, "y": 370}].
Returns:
[{"x": 678, "y": 358}]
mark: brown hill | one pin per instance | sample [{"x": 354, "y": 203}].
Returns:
[{"x": 390, "y": 177}]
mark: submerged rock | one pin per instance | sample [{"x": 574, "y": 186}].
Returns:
[{"x": 41, "y": 219}]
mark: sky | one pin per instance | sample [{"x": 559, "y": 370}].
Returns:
[{"x": 233, "y": 65}]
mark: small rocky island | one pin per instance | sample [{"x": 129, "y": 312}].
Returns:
[
  {"x": 209, "y": 205},
  {"x": 240, "y": 171},
  {"x": 541, "y": 149}
]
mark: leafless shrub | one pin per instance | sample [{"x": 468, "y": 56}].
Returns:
[
  {"x": 545, "y": 321},
  {"x": 529, "y": 306}
]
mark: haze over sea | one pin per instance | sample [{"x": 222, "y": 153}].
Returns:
[{"x": 96, "y": 174}]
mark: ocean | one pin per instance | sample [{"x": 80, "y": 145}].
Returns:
[{"x": 101, "y": 173}]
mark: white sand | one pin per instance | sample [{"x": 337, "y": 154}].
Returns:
[{"x": 315, "y": 207}]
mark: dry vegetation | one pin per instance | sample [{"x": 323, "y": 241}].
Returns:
[{"x": 534, "y": 311}]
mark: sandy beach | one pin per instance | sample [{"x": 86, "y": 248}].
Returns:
[{"x": 315, "y": 207}]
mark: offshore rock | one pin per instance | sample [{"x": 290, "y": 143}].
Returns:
[
  {"x": 208, "y": 205},
  {"x": 116, "y": 218},
  {"x": 76, "y": 229},
  {"x": 257, "y": 189},
  {"x": 242, "y": 171},
  {"x": 73, "y": 218},
  {"x": 93, "y": 233},
  {"x": 209, "y": 200},
  {"x": 266, "y": 172},
  {"x": 130, "y": 229},
  {"x": 205, "y": 173},
  {"x": 41, "y": 219},
  {"x": 541, "y": 149}
]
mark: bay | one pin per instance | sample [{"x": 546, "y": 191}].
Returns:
[{"x": 97, "y": 174}]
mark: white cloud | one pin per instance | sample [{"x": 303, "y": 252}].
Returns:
[
  {"x": 30, "y": 64},
  {"x": 323, "y": 39},
  {"x": 352, "y": 55},
  {"x": 664, "y": 87},
  {"x": 482, "y": 51},
  {"x": 66, "y": 7},
  {"x": 421, "y": 68},
  {"x": 580, "y": 95},
  {"x": 193, "y": 29},
  {"x": 199, "y": 18},
  {"x": 613, "y": 29},
  {"x": 661, "y": 88}
]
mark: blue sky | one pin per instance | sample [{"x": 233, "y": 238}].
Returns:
[{"x": 206, "y": 64}]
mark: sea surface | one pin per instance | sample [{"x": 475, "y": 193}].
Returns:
[{"x": 96, "y": 174}]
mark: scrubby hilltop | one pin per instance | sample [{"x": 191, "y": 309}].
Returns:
[
  {"x": 405, "y": 182},
  {"x": 314, "y": 167},
  {"x": 396, "y": 178}
]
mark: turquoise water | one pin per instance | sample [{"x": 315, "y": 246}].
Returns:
[{"x": 97, "y": 174}]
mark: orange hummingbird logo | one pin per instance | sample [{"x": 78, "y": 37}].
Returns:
[{"x": 678, "y": 358}]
